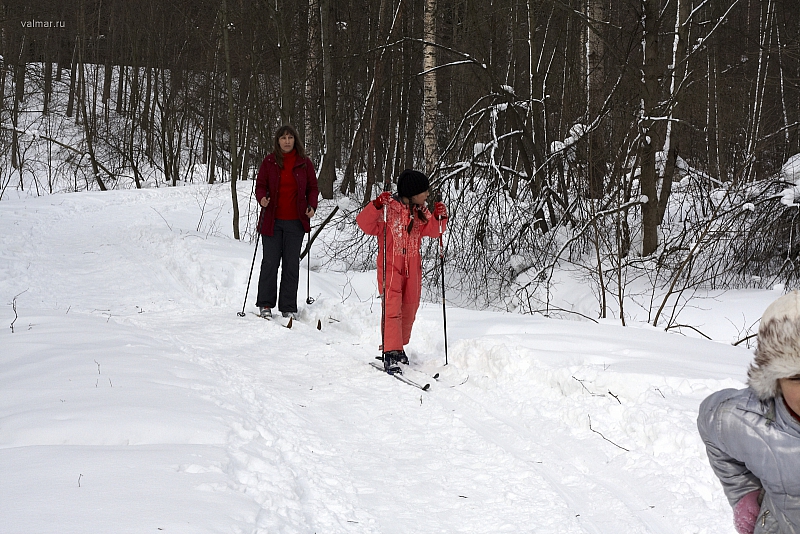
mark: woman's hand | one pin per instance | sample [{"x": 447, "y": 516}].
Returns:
[
  {"x": 310, "y": 212},
  {"x": 264, "y": 201}
]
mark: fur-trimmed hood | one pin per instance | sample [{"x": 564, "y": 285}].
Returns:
[{"x": 778, "y": 350}]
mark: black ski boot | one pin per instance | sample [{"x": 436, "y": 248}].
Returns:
[{"x": 391, "y": 360}]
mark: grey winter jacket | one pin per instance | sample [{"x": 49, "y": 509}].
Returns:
[{"x": 754, "y": 444}]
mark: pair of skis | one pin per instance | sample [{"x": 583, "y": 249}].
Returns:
[{"x": 288, "y": 324}]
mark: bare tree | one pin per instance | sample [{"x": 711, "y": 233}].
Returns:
[
  {"x": 327, "y": 171},
  {"x": 233, "y": 132}
]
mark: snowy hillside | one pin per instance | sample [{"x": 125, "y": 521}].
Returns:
[{"x": 134, "y": 399}]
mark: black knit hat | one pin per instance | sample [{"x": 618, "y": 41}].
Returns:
[{"x": 412, "y": 183}]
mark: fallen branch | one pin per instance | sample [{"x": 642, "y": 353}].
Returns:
[{"x": 319, "y": 229}]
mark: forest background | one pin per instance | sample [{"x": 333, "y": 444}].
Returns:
[{"x": 648, "y": 148}]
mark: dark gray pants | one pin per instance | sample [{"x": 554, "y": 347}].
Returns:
[{"x": 281, "y": 248}]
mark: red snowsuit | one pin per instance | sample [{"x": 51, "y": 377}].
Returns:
[{"x": 403, "y": 264}]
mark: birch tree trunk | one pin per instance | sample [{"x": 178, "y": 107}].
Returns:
[
  {"x": 3, "y": 70},
  {"x": 765, "y": 36},
  {"x": 783, "y": 90},
  {"x": 430, "y": 99},
  {"x": 677, "y": 75},
  {"x": 678, "y": 67}
]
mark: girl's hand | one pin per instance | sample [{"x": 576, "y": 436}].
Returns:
[
  {"x": 382, "y": 199},
  {"x": 310, "y": 212},
  {"x": 746, "y": 512},
  {"x": 264, "y": 201}
]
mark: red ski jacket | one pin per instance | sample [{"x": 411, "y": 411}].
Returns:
[{"x": 403, "y": 246}]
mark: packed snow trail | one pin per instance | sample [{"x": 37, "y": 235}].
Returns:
[{"x": 133, "y": 393}]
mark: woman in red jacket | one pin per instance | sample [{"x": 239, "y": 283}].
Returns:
[
  {"x": 287, "y": 190},
  {"x": 407, "y": 221}
]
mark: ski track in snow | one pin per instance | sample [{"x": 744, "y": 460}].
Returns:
[{"x": 317, "y": 441}]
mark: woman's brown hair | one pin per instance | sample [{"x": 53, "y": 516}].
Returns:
[{"x": 298, "y": 145}]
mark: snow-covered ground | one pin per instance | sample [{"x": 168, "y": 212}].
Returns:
[{"x": 134, "y": 399}]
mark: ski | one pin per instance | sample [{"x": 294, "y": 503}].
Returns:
[
  {"x": 271, "y": 319},
  {"x": 435, "y": 375},
  {"x": 399, "y": 375}
]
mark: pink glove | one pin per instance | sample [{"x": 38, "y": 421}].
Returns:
[
  {"x": 439, "y": 211},
  {"x": 382, "y": 200},
  {"x": 746, "y": 512}
]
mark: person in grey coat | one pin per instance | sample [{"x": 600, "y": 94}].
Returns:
[{"x": 752, "y": 436}]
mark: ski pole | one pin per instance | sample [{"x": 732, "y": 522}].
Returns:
[
  {"x": 383, "y": 288},
  {"x": 444, "y": 307},
  {"x": 309, "y": 300},
  {"x": 255, "y": 251},
  {"x": 386, "y": 187}
]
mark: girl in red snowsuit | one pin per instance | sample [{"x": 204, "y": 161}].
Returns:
[{"x": 407, "y": 221}]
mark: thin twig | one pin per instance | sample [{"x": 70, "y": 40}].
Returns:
[
  {"x": 556, "y": 308},
  {"x": 159, "y": 214},
  {"x": 690, "y": 327},
  {"x": 751, "y": 336},
  {"x": 14, "y": 307},
  {"x": 602, "y": 436},
  {"x": 587, "y": 389}
]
